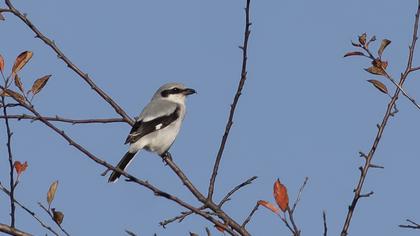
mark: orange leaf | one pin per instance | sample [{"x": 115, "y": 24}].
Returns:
[
  {"x": 379, "y": 85},
  {"x": 280, "y": 194},
  {"x": 21, "y": 61},
  {"x": 1, "y": 64},
  {"x": 19, "y": 167},
  {"x": 356, "y": 53},
  {"x": 269, "y": 206}
]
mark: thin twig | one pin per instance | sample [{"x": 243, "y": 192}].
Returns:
[
  {"x": 366, "y": 167},
  {"x": 69, "y": 63},
  {"x": 32, "y": 213},
  {"x": 178, "y": 218},
  {"x": 413, "y": 225},
  {"x": 241, "y": 84},
  {"x": 324, "y": 219},
  {"x": 227, "y": 197},
  {"x": 248, "y": 219},
  {"x": 65, "y": 120},
  {"x": 299, "y": 194},
  {"x": 12, "y": 231},
  {"x": 12, "y": 180},
  {"x": 296, "y": 230}
]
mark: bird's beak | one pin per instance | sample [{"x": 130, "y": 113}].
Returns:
[{"x": 188, "y": 91}]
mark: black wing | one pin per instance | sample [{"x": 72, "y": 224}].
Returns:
[{"x": 141, "y": 128}]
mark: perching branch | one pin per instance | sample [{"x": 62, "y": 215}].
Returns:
[
  {"x": 229, "y": 124},
  {"x": 32, "y": 213},
  {"x": 69, "y": 63},
  {"x": 12, "y": 231},
  {"x": 391, "y": 104},
  {"x": 64, "y": 120}
]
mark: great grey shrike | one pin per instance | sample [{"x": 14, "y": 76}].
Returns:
[{"x": 157, "y": 125}]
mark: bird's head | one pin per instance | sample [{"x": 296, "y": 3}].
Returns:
[{"x": 174, "y": 92}]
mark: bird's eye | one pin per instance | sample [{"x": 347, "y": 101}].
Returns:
[{"x": 175, "y": 90}]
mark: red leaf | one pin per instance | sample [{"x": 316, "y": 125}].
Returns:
[
  {"x": 19, "y": 167},
  {"x": 269, "y": 206},
  {"x": 280, "y": 194}
]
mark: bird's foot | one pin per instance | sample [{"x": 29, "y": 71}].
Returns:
[{"x": 165, "y": 157}]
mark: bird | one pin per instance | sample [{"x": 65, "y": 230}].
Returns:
[{"x": 157, "y": 126}]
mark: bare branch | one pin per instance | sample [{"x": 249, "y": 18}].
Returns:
[
  {"x": 65, "y": 120},
  {"x": 324, "y": 219},
  {"x": 248, "y": 219},
  {"x": 391, "y": 105},
  {"x": 229, "y": 124},
  {"x": 227, "y": 197},
  {"x": 299, "y": 194},
  {"x": 12, "y": 180},
  {"x": 69, "y": 63},
  {"x": 29, "y": 212},
  {"x": 412, "y": 225},
  {"x": 12, "y": 231}
]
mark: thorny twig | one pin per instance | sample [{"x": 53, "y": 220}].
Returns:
[{"x": 368, "y": 159}]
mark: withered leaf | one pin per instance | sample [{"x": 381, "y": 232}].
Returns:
[
  {"x": 356, "y": 53},
  {"x": 375, "y": 70},
  {"x": 21, "y": 61},
  {"x": 51, "y": 192},
  {"x": 269, "y": 206},
  {"x": 362, "y": 39},
  {"x": 379, "y": 85},
  {"x": 39, "y": 84},
  {"x": 19, "y": 167},
  {"x": 58, "y": 216},
  {"x": 19, "y": 84},
  {"x": 1, "y": 64},
  {"x": 221, "y": 229},
  {"x": 384, "y": 44},
  {"x": 280, "y": 195},
  {"x": 15, "y": 95}
]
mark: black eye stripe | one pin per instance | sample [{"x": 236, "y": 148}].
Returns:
[{"x": 166, "y": 92}]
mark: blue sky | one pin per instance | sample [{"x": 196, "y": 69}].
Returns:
[{"x": 305, "y": 111}]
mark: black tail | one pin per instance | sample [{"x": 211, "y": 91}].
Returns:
[{"x": 121, "y": 165}]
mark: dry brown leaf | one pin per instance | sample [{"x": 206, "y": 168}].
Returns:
[
  {"x": 58, "y": 216},
  {"x": 384, "y": 44},
  {"x": 379, "y": 85},
  {"x": 15, "y": 95},
  {"x": 1, "y": 64},
  {"x": 375, "y": 70},
  {"x": 51, "y": 192},
  {"x": 269, "y": 206},
  {"x": 280, "y": 194},
  {"x": 19, "y": 84},
  {"x": 21, "y": 61},
  {"x": 39, "y": 84},
  {"x": 354, "y": 54},
  {"x": 362, "y": 39},
  {"x": 19, "y": 167}
]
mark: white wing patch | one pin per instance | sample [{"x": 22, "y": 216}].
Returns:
[{"x": 157, "y": 127}]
